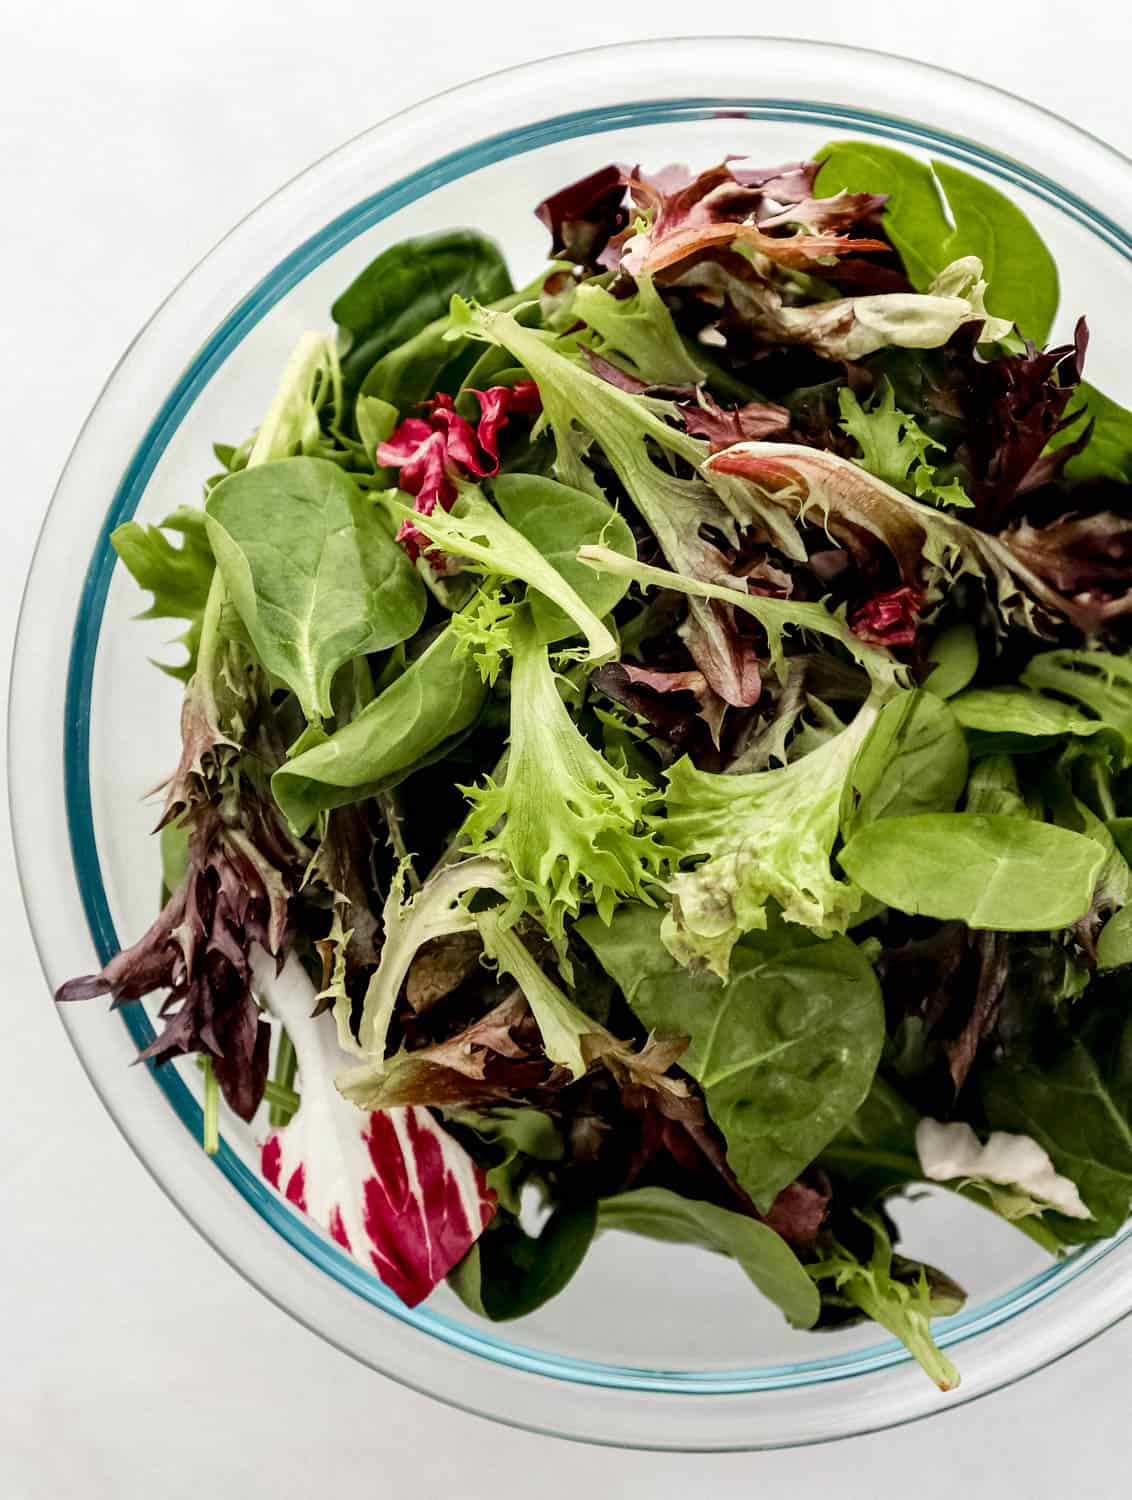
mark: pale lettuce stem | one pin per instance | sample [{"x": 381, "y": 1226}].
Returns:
[
  {"x": 210, "y": 1134},
  {"x": 282, "y": 1080}
]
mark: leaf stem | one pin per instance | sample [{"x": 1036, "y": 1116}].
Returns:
[
  {"x": 281, "y": 1098},
  {"x": 210, "y": 1133},
  {"x": 283, "y": 1079}
]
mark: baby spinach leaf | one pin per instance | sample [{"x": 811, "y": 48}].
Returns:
[
  {"x": 1071, "y": 1091},
  {"x": 1114, "y": 947},
  {"x": 954, "y": 659},
  {"x": 913, "y": 216},
  {"x": 1021, "y": 273},
  {"x": 764, "y": 1257},
  {"x": 408, "y": 286},
  {"x": 314, "y": 574},
  {"x": 432, "y": 361},
  {"x": 508, "y": 1273},
  {"x": 419, "y": 714},
  {"x": 1016, "y": 721},
  {"x": 785, "y": 1050},
  {"x": 875, "y": 1151},
  {"x": 178, "y": 577},
  {"x": 995, "y": 872},
  {"x": 913, "y": 761},
  {"x": 557, "y": 520},
  {"x": 1108, "y": 453}
]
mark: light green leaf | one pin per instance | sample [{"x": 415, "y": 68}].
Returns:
[
  {"x": 954, "y": 660},
  {"x": 994, "y": 872},
  {"x": 914, "y": 761},
  {"x": 314, "y": 575},
  {"x": 474, "y": 530},
  {"x": 557, "y": 520},
  {"x": 1021, "y": 272},
  {"x": 178, "y": 577}
]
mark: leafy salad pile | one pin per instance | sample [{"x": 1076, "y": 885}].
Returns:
[{"x": 656, "y": 747}]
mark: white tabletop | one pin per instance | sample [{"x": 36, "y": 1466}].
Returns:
[{"x": 132, "y": 1360}]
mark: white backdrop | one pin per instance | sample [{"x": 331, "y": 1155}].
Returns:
[{"x": 132, "y": 1360}]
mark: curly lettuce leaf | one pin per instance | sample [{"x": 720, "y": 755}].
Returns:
[
  {"x": 639, "y": 329},
  {"x": 475, "y": 531},
  {"x": 760, "y": 838},
  {"x": 897, "y": 1294},
  {"x": 437, "y": 909},
  {"x": 895, "y": 448},
  {"x": 783, "y": 485},
  {"x": 580, "y": 408},
  {"x": 569, "y": 826}
]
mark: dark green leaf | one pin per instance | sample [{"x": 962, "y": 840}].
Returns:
[
  {"x": 508, "y": 1273},
  {"x": 876, "y": 1149},
  {"x": 315, "y": 575},
  {"x": 764, "y": 1256},
  {"x": 1072, "y": 1093},
  {"x": 1020, "y": 272},
  {"x": 785, "y": 1050},
  {"x": 422, "y": 711},
  {"x": 408, "y": 286},
  {"x": 993, "y": 872},
  {"x": 914, "y": 761}
]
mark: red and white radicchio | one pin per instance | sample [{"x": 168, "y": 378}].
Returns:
[{"x": 390, "y": 1186}]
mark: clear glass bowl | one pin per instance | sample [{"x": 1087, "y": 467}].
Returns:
[{"x": 651, "y": 1345}]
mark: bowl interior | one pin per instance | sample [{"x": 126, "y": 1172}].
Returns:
[{"x": 715, "y": 1333}]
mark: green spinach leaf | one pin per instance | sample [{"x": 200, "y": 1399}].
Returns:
[
  {"x": 914, "y": 761},
  {"x": 1108, "y": 453},
  {"x": 314, "y": 574},
  {"x": 954, "y": 660},
  {"x": 508, "y": 1273},
  {"x": 995, "y": 872},
  {"x": 1071, "y": 1091},
  {"x": 1021, "y": 273},
  {"x": 416, "y": 717},
  {"x": 785, "y": 1050},
  {"x": 557, "y": 520},
  {"x": 408, "y": 286},
  {"x": 764, "y": 1257},
  {"x": 875, "y": 1152}
]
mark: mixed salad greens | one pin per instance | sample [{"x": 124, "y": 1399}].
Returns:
[{"x": 657, "y": 743}]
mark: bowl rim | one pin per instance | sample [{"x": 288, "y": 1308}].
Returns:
[{"x": 269, "y": 289}]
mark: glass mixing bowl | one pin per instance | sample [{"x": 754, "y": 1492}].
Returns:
[{"x": 651, "y": 1345}]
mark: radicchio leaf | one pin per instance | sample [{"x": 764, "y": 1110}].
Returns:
[
  {"x": 433, "y": 452},
  {"x": 391, "y": 1187}
]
